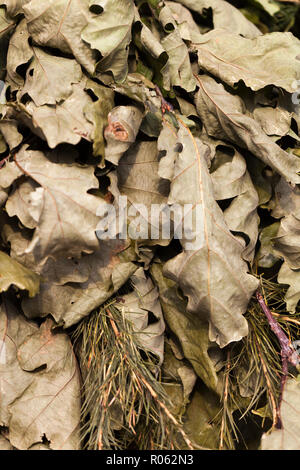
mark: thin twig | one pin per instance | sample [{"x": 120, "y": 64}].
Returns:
[
  {"x": 225, "y": 401},
  {"x": 269, "y": 386}
]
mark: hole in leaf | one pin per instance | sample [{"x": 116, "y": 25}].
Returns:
[
  {"x": 225, "y": 203},
  {"x": 92, "y": 95},
  {"x": 151, "y": 318},
  {"x": 22, "y": 69},
  {"x": 294, "y": 126},
  {"x": 242, "y": 235},
  {"x": 178, "y": 147},
  {"x": 161, "y": 154},
  {"x": 45, "y": 440},
  {"x": 96, "y": 9}
]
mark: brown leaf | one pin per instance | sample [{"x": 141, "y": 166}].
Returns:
[
  {"x": 225, "y": 16},
  {"x": 107, "y": 269},
  {"x": 49, "y": 78},
  {"x": 97, "y": 113},
  {"x": 224, "y": 117},
  {"x": 232, "y": 58},
  {"x": 63, "y": 123},
  {"x": 231, "y": 179},
  {"x": 63, "y": 211},
  {"x": 210, "y": 269},
  {"x": 136, "y": 307},
  {"x": 38, "y": 372},
  {"x": 19, "y": 53},
  {"x": 139, "y": 181},
  {"x": 286, "y": 438},
  {"x": 58, "y": 25}
]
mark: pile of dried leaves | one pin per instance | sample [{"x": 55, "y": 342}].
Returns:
[{"x": 149, "y": 342}]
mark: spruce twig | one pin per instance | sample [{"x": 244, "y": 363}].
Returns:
[{"x": 125, "y": 405}]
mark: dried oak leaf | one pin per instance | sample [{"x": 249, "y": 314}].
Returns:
[
  {"x": 97, "y": 113},
  {"x": 287, "y": 207},
  {"x": 20, "y": 200},
  {"x": 191, "y": 331},
  {"x": 167, "y": 144},
  {"x": 210, "y": 270},
  {"x": 286, "y": 242},
  {"x": 286, "y": 438},
  {"x": 40, "y": 383},
  {"x": 11, "y": 135},
  {"x": 61, "y": 123},
  {"x": 14, "y": 331},
  {"x": 291, "y": 278},
  {"x": 49, "y": 78},
  {"x": 57, "y": 271},
  {"x": 224, "y": 117},
  {"x": 7, "y": 24},
  {"x": 274, "y": 121},
  {"x": 225, "y": 16},
  {"x": 270, "y": 59},
  {"x": 188, "y": 28},
  {"x": 231, "y": 180},
  {"x": 14, "y": 7},
  {"x": 70, "y": 300},
  {"x": 109, "y": 32},
  {"x": 19, "y": 53},
  {"x": 178, "y": 70},
  {"x": 64, "y": 212},
  {"x": 58, "y": 24}
]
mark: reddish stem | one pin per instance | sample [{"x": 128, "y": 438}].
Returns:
[
  {"x": 286, "y": 350},
  {"x": 165, "y": 105}
]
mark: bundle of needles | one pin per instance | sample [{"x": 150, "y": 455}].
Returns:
[{"x": 124, "y": 404}]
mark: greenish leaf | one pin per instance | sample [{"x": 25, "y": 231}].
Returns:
[
  {"x": 13, "y": 273},
  {"x": 191, "y": 331},
  {"x": 266, "y": 256}
]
